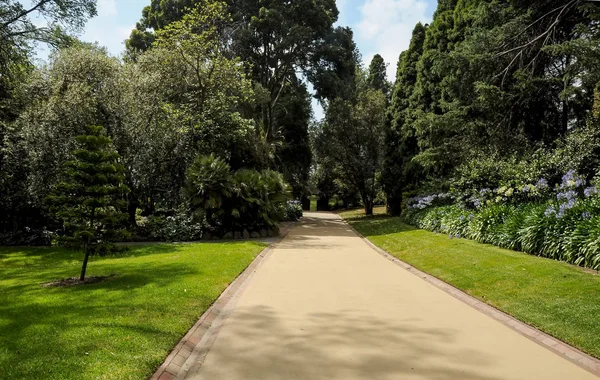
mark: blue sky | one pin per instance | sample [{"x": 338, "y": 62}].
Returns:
[{"x": 380, "y": 26}]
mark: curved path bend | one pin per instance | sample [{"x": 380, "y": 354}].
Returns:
[{"x": 325, "y": 305}]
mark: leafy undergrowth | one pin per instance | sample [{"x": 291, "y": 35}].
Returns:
[
  {"x": 555, "y": 297},
  {"x": 120, "y": 328}
]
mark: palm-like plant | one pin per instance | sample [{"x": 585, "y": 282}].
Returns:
[{"x": 208, "y": 186}]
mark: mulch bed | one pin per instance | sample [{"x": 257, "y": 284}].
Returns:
[{"x": 73, "y": 281}]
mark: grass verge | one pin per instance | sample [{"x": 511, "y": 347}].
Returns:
[
  {"x": 120, "y": 328},
  {"x": 557, "y": 298}
]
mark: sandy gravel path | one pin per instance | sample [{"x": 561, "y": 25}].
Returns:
[{"x": 324, "y": 305}]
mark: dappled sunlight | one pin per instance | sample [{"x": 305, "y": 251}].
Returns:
[
  {"x": 127, "y": 322},
  {"x": 339, "y": 344}
]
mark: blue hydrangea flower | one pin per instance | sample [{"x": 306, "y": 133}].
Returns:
[
  {"x": 567, "y": 195},
  {"x": 586, "y": 215},
  {"x": 542, "y": 184},
  {"x": 590, "y": 191},
  {"x": 550, "y": 211}
]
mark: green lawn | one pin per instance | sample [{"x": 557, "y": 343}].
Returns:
[
  {"x": 121, "y": 328},
  {"x": 557, "y": 298}
]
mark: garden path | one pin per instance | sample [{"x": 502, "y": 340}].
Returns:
[{"x": 325, "y": 305}]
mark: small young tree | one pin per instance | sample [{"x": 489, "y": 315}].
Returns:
[{"x": 90, "y": 198}]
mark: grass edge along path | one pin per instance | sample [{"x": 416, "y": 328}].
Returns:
[
  {"x": 556, "y": 298},
  {"x": 120, "y": 328}
]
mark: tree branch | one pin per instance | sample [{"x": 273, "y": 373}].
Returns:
[{"x": 26, "y": 12}]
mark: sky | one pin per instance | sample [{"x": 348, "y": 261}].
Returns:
[{"x": 380, "y": 26}]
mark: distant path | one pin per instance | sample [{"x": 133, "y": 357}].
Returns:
[{"x": 325, "y": 305}]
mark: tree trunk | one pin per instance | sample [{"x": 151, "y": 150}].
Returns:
[
  {"x": 369, "y": 208},
  {"x": 132, "y": 206},
  {"x": 368, "y": 202},
  {"x": 85, "y": 261},
  {"x": 394, "y": 205},
  {"x": 305, "y": 203}
]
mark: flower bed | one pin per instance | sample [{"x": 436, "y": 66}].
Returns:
[{"x": 561, "y": 222}]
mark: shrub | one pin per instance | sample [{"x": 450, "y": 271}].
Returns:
[
  {"x": 27, "y": 237},
  {"x": 233, "y": 201},
  {"x": 176, "y": 227},
  {"x": 292, "y": 211},
  {"x": 565, "y": 226}
]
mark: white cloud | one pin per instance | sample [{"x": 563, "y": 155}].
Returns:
[
  {"x": 386, "y": 26},
  {"x": 107, "y": 34},
  {"x": 107, "y": 8}
]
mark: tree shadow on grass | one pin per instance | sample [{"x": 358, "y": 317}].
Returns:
[
  {"x": 44, "y": 328},
  {"x": 70, "y": 340}
]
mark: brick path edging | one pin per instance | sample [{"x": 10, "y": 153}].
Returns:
[
  {"x": 189, "y": 348},
  {"x": 574, "y": 355}
]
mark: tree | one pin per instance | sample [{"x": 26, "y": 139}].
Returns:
[
  {"x": 202, "y": 91},
  {"x": 181, "y": 99},
  {"x": 18, "y": 35},
  {"x": 156, "y": 16},
  {"x": 352, "y": 139},
  {"x": 277, "y": 40},
  {"x": 90, "y": 197},
  {"x": 377, "y": 79},
  {"x": 333, "y": 65},
  {"x": 400, "y": 140},
  {"x": 293, "y": 158},
  {"x": 77, "y": 88}
]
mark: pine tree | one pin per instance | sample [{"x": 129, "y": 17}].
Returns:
[{"x": 90, "y": 198}]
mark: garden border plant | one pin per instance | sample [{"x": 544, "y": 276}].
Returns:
[{"x": 560, "y": 222}]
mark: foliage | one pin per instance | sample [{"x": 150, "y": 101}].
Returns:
[
  {"x": 493, "y": 94},
  {"x": 90, "y": 198},
  {"x": 235, "y": 200},
  {"x": 555, "y": 223},
  {"x": 292, "y": 211},
  {"x": 348, "y": 144},
  {"x": 26, "y": 237},
  {"x": 177, "y": 227}
]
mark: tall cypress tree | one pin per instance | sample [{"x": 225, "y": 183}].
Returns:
[
  {"x": 90, "y": 198},
  {"x": 377, "y": 78},
  {"x": 400, "y": 140}
]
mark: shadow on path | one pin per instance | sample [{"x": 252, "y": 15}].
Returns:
[{"x": 340, "y": 345}]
